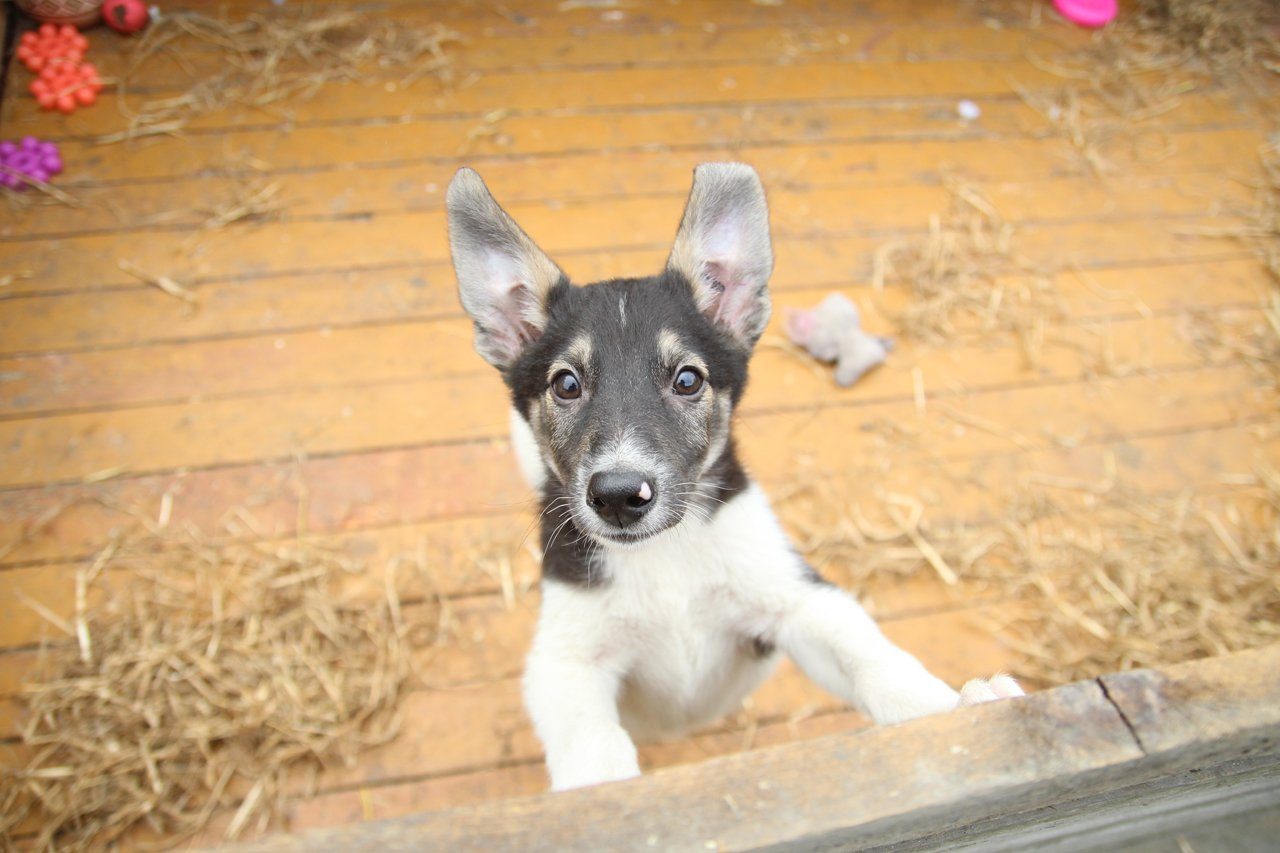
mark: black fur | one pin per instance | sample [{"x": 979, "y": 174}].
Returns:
[
  {"x": 566, "y": 553},
  {"x": 625, "y": 352},
  {"x": 654, "y": 303}
]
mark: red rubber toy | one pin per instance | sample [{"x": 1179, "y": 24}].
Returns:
[
  {"x": 64, "y": 87},
  {"x": 51, "y": 45},
  {"x": 125, "y": 16}
]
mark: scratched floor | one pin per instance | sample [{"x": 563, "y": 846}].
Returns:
[{"x": 327, "y": 347}]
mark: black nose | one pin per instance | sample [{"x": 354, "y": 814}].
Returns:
[{"x": 620, "y": 497}]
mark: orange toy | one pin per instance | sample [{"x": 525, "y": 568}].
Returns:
[
  {"x": 64, "y": 87},
  {"x": 51, "y": 45}
]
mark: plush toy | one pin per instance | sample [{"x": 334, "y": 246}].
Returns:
[
  {"x": 29, "y": 158},
  {"x": 832, "y": 332},
  {"x": 125, "y": 16}
]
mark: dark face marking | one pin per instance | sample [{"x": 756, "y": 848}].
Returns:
[
  {"x": 628, "y": 385},
  {"x": 629, "y": 346}
]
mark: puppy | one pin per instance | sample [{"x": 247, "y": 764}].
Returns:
[{"x": 669, "y": 589}]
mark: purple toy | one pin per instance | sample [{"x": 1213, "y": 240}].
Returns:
[{"x": 29, "y": 158}]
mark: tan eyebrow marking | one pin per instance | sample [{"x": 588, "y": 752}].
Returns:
[
  {"x": 576, "y": 356},
  {"x": 675, "y": 354}
]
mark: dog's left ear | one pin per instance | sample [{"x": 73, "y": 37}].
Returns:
[
  {"x": 504, "y": 279},
  {"x": 722, "y": 248}
]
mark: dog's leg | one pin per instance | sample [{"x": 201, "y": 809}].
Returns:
[
  {"x": 572, "y": 681},
  {"x": 834, "y": 641},
  {"x": 574, "y": 707}
]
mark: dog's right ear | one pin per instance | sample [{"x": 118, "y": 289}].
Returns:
[
  {"x": 503, "y": 277},
  {"x": 722, "y": 249}
]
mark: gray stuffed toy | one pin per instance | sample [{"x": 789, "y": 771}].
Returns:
[{"x": 832, "y": 332}]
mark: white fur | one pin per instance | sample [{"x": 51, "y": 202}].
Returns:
[
  {"x": 528, "y": 456},
  {"x": 662, "y": 643}
]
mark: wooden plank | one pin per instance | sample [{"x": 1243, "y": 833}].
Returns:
[
  {"x": 1186, "y": 714},
  {"x": 513, "y": 779},
  {"x": 583, "y": 89},
  {"x": 968, "y": 774},
  {"x": 542, "y": 18},
  {"x": 856, "y": 41},
  {"x": 369, "y": 492},
  {"x": 345, "y": 187},
  {"x": 447, "y": 141},
  {"x": 585, "y": 238},
  {"x": 824, "y": 206},
  {"x": 353, "y": 282},
  {"x": 294, "y": 303},
  {"x": 549, "y": 16},
  {"x": 151, "y": 438},
  {"x": 366, "y": 355}
]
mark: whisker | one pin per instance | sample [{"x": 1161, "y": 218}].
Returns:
[
  {"x": 534, "y": 523},
  {"x": 552, "y": 539}
]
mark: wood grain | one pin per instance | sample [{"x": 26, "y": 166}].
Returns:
[
  {"x": 327, "y": 348},
  {"x": 967, "y": 774}
]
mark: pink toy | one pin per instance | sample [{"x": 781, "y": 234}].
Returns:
[
  {"x": 1087, "y": 13},
  {"x": 29, "y": 158},
  {"x": 833, "y": 332},
  {"x": 125, "y": 16}
]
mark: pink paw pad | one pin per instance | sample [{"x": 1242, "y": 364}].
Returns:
[{"x": 981, "y": 690}]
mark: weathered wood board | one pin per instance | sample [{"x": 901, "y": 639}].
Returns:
[{"x": 1097, "y": 761}]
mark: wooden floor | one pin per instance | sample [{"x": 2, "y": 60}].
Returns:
[{"x": 328, "y": 348}]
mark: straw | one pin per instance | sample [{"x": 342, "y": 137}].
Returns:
[
  {"x": 1098, "y": 577},
  {"x": 1140, "y": 66},
  {"x": 966, "y": 274},
  {"x": 212, "y": 677},
  {"x": 269, "y": 59}
]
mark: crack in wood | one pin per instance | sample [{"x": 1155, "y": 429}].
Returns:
[{"x": 1137, "y": 739}]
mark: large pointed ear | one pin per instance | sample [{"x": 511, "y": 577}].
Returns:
[
  {"x": 503, "y": 277},
  {"x": 723, "y": 249}
]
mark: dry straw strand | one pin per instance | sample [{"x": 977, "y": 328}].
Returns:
[
  {"x": 1103, "y": 579},
  {"x": 212, "y": 676},
  {"x": 267, "y": 59},
  {"x": 965, "y": 275}
]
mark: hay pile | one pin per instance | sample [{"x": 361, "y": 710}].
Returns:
[
  {"x": 1142, "y": 65},
  {"x": 966, "y": 275},
  {"x": 1140, "y": 581},
  {"x": 1261, "y": 228},
  {"x": 211, "y": 677},
  {"x": 1229, "y": 37},
  {"x": 267, "y": 59},
  {"x": 1094, "y": 577}
]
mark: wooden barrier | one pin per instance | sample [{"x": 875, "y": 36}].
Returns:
[{"x": 1096, "y": 763}]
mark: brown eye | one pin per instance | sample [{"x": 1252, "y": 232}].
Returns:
[
  {"x": 566, "y": 386},
  {"x": 688, "y": 382}
]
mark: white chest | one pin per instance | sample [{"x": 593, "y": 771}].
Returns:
[{"x": 693, "y": 617}]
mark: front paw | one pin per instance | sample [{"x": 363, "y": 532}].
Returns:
[
  {"x": 594, "y": 758},
  {"x": 981, "y": 690}
]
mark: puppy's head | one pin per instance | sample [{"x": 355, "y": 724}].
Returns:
[{"x": 628, "y": 385}]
